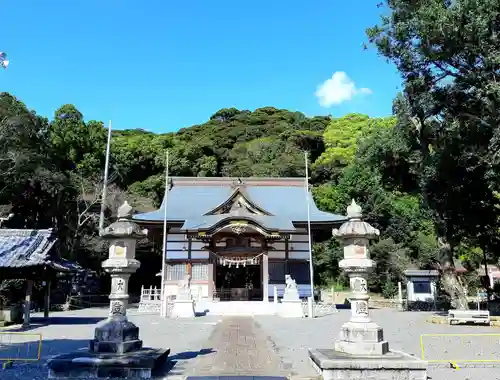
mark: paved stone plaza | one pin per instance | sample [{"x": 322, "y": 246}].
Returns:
[{"x": 264, "y": 345}]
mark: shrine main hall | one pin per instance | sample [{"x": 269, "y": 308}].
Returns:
[{"x": 238, "y": 237}]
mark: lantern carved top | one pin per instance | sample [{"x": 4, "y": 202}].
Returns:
[
  {"x": 354, "y": 211},
  {"x": 125, "y": 211},
  {"x": 355, "y": 227},
  {"x": 124, "y": 227}
]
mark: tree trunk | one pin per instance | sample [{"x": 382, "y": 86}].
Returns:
[{"x": 450, "y": 281}]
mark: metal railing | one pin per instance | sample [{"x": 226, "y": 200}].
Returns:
[
  {"x": 320, "y": 309},
  {"x": 20, "y": 346},
  {"x": 461, "y": 349}
]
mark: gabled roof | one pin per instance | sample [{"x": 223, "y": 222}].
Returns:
[
  {"x": 209, "y": 221},
  {"x": 239, "y": 193},
  {"x": 21, "y": 249},
  {"x": 285, "y": 198}
]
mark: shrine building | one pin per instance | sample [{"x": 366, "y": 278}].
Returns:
[{"x": 238, "y": 237}]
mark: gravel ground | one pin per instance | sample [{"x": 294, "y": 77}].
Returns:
[
  {"x": 71, "y": 331},
  {"x": 293, "y": 338}
]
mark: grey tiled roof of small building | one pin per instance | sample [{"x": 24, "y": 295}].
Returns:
[
  {"x": 284, "y": 198},
  {"x": 30, "y": 248},
  {"x": 421, "y": 273}
]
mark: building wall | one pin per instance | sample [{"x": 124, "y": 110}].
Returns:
[
  {"x": 414, "y": 287},
  {"x": 284, "y": 257}
]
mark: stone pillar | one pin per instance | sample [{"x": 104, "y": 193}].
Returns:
[
  {"x": 265, "y": 277},
  {"x": 211, "y": 284},
  {"x": 361, "y": 352},
  {"x": 117, "y": 334}
]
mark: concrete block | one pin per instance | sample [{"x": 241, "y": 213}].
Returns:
[
  {"x": 334, "y": 365},
  {"x": 469, "y": 316},
  {"x": 183, "y": 308},
  {"x": 85, "y": 365},
  {"x": 291, "y": 309}
]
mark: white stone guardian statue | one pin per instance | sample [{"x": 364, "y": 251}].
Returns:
[
  {"x": 184, "y": 305},
  {"x": 291, "y": 305},
  {"x": 290, "y": 282},
  {"x": 185, "y": 286}
]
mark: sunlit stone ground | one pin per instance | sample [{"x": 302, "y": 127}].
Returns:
[{"x": 263, "y": 345}]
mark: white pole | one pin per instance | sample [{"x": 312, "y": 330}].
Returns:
[
  {"x": 311, "y": 270},
  {"x": 163, "y": 312},
  {"x": 105, "y": 181},
  {"x": 400, "y": 296}
]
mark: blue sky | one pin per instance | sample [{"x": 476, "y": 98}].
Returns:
[{"x": 162, "y": 65}]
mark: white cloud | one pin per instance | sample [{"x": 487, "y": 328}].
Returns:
[{"x": 338, "y": 89}]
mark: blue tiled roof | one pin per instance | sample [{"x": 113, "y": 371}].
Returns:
[
  {"x": 195, "y": 198},
  {"x": 29, "y": 248}
]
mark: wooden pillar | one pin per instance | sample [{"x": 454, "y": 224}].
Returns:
[
  {"x": 189, "y": 266},
  {"x": 46, "y": 304},
  {"x": 265, "y": 277},
  {"x": 287, "y": 248},
  {"x": 27, "y": 303}
]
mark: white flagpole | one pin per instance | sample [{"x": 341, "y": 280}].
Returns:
[
  {"x": 163, "y": 312},
  {"x": 105, "y": 181},
  {"x": 311, "y": 269}
]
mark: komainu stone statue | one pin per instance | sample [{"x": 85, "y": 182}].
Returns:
[
  {"x": 291, "y": 291},
  {"x": 185, "y": 284},
  {"x": 290, "y": 282}
]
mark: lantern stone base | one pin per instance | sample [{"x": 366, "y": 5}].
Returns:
[
  {"x": 115, "y": 351},
  {"x": 85, "y": 365},
  {"x": 183, "y": 308},
  {"x": 291, "y": 309},
  {"x": 116, "y": 335},
  {"x": 362, "y": 339},
  {"x": 334, "y": 365}
]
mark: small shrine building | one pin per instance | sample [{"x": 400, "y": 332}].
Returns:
[{"x": 237, "y": 237}]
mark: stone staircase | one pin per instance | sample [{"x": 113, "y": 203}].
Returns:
[{"x": 236, "y": 308}]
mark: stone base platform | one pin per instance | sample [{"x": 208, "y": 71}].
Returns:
[
  {"x": 183, "y": 308},
  {"x": 334, "y": 365},
  {"x": 86, "y": 364},
  {"x": 291, "y": 309}
]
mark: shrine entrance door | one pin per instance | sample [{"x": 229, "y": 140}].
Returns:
[{"x": 238, "y": 282}]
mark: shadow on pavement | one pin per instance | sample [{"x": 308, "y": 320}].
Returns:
[
  {"x": 173, "y": 368},
  {"x": 37, "y": 322}
]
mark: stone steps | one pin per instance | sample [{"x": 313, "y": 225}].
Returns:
[{"x": 237, "y": 308}]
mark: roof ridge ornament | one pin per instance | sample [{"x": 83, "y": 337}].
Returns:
[
  {"x": 238, "y": 182},
  {"x": 354, "y": 211}
]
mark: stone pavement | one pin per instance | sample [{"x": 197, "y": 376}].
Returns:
[
  {"x": 239, "y": 348},
  {"x": 266, "y": 345},
  {"x": 293, "y": 338}
]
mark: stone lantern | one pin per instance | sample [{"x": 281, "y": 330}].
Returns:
[
  {"x": 361, "y": 352},
  {"x": 123, "y": 235},
  {"x": 355, "y": 236},
  {"x": 116, "y": 350}
]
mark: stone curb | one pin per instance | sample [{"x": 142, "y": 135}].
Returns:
[{"x": 443, "y": 320}]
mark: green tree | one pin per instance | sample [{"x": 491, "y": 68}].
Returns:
[
  {"x": 340, "y": 139},
  {"x": 447, "y": 54}
]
